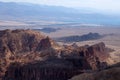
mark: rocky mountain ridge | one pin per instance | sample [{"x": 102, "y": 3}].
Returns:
[
  {"x": 77, "y": 38},
  {"x": 24, "y": 52}
]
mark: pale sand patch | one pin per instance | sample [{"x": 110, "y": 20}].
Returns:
[
  {"x": 115, "y": 55},
  {"x": 11, "y": 23}
]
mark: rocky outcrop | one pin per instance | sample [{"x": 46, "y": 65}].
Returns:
[
  {"x": 111, "y": 73},
  {"x": 96, "y": 55},
  {"x": 15, "y": 45},
  {"x": 87, "y": 57},
  {"x": 29, "y": 55},
  {"x": 77, "y": 38},
  {"x": 20, "y": 41}
]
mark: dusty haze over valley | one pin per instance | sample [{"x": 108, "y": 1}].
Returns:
[{"x": 68, "y": 40}]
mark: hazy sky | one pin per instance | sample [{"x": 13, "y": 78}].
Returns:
[{"x": 110, "y": 6}]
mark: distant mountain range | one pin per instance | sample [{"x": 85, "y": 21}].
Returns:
[
  {"x": 27, "y": 11},
  {"x": 77, "y": 38}
]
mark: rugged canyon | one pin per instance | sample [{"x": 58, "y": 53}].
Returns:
[{"x": 30, "y": 55}]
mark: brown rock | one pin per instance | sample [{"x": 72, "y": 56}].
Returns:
[{"x": 28, "y": 48}]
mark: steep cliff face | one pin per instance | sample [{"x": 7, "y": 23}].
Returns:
[
  {"x": 96, "y": 55},
  {"x": 73, "y": 61},
  {"x": 16, "y": 45},
  {"x": 56, "y": 69},
  {"x": 29, "y": 55},
  {"x": 87, "y": 57}
]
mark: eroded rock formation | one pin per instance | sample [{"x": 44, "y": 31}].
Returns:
[{"x": 28, "y": 55}]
